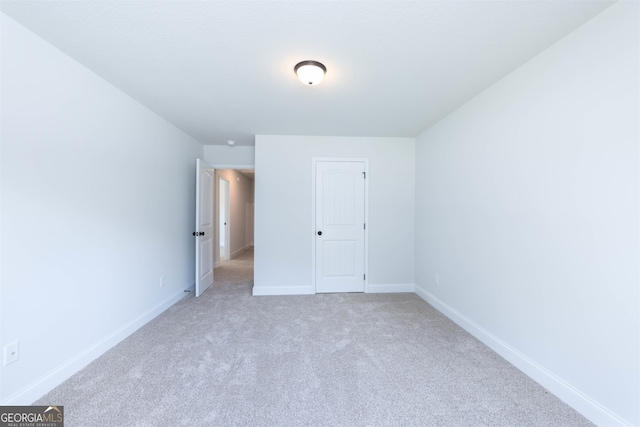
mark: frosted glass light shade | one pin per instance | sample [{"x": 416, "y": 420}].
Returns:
[{"x": 310, "y": 72}]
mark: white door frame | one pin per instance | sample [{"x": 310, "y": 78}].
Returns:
[
  {"x": 227, "y": 212},
  {"x": 312, "y": 232},
  {"x": 218, "y": 166}
]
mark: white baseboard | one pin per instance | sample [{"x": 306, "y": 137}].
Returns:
[
  {"x": 309, "y": 290},
  {"x": 582, "y": 403},
  {"x": 242, "y": 249},
  {"x": 57, "y": 376},
  {"x": 389, "y": 288},
  {"x": 283, "y": 290}
]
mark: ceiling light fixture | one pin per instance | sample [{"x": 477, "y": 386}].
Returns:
[
  {"x": 310, "y": 72},
  {"x": 231, "y": 143}
]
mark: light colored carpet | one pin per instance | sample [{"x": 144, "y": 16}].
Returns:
[{"x": 231, "y": 359}]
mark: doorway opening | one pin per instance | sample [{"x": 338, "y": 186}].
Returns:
[
  {"x": 223, "y": 215},
  {"x": 234, "y": 217}
]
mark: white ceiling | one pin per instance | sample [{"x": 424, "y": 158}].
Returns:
[{"x": 223, "y": 70}]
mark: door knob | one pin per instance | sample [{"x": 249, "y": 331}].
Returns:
[
  {"x": 194, "y": 233},
  {"x": 319, "y": 233},
  {"x": 202, "y": 233}
]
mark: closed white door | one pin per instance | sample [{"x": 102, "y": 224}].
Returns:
[
  {"x": 340, "y": 226},
  {"x": 204, "y": 226}
]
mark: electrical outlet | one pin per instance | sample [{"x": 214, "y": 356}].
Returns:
[
  {"x": 162, "y": 281},
  {"x": 436, "y": 278},
  {"x": 11, "y": 353}
]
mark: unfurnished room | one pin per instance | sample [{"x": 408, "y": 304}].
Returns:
[{"x": 320, "y": 213}]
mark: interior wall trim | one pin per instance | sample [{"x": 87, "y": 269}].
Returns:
[
  {"x": 57, "y": 376},
  {"x": 573, "y": 397},
  {"x": 283, "y": 290},
  {"x": 389, "y": 288}
]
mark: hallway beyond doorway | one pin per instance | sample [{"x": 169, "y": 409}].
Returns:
[{"x": 237, "y": 271}]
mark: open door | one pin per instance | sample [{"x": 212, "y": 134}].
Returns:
[{"x": 204, "y": 226}]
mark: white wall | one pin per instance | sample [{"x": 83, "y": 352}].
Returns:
[
  {"x": 527, "y": 208},
  {"x": 97, "y": 204},
  {"x": 283, "y": 194},
  {"x": 240, "y": 211},
  {"x": 219, "y": 155}
]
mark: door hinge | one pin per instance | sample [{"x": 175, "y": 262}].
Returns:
[
  {"x": 364, "y": 175},
  {"x": 364, "y": 277},
  {"x": 365, "y": 225}
]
